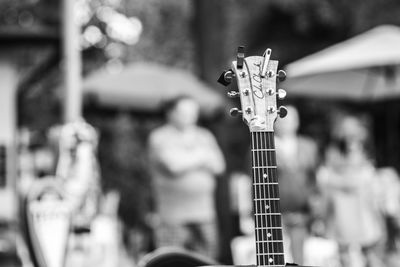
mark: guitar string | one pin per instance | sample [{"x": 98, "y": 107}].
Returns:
[
  {"x": 267, "y": 217},
  {"x": 269, "y": 245},
  {"x": 275, "y": 190},
  {"x": 258, "y": 255},
  {"x": 261, "y": 195},
  {"x": 278, "y": 219},
  {"x": 261, "y": 216},
  {"x": 280, "y": 212},
  {"x": 271, "y": 180},
  {"x": 274, "y": 175},
  {"x": 264, "y": 218}
]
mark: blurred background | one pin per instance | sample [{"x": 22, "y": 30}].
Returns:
[{"x": 100, "y": 70}]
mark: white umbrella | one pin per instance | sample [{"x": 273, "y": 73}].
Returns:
[
  {"x": 365, "y": 67},
  {"x": 144, "y": 86}
]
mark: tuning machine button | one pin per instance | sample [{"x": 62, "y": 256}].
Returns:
[
  {"x": 281, "y": 94},
  {"x": 235, "y": 112},
  {"x": 226, "y": 77},
  {"x": 282, "y": 111},
  {"x": 281, "y": 75},
  {"x": 233, "y": 94}
]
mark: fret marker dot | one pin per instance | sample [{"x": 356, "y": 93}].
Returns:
[
  {"x": 269, "y": 235},
  {"x": 271, "y": 260},
  {"x": 267, "y": 207},
  {"x": 265, "y": 176}
]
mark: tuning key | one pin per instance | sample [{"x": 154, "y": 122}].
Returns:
[
  {"x": 281, "y": 94},
  {"x": 233, "y": 94},
  {"x": 240, "y": 57},
  {"x": 267, "y": 55},
  {"x": 281, "y": 75},
  {"x": 282, "y": 111},
  {"x": 235, "y": 112},
  {"x": 226, "y": 77}
]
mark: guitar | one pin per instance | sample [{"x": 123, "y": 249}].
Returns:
[{"x": 256, "y": 79}]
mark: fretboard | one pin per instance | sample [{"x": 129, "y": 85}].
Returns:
[{"x": 268, "y": 225}]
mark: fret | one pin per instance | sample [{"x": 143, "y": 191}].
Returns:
[
  {"x": 268, "y": 220},
  {"x": 269, "y": 172},
  {"x": 270, "y": 247},
  {"x": 272, "y": 259},
  {"x": 263, "y": 149},
  {"x": 272, "y": 235},
  {"x": 272, "y": 198},
  {"x": 268, "y": 228},
  {"x": 270, "y": 206},
  {"x": 269, "y": 187},
  {"x": 265, "y": 175},
  {"x": 270, "y": 241},
  {"x": 271, "y": 253},
  {"x": 267, "y": 209},
  {"x": 269, "y": 192},
  {"x": 264, "y": 157}
]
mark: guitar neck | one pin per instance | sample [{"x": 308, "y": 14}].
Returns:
[{"x": 268, "y": 225}]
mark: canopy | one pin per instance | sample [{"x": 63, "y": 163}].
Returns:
[
  {"x": 365, "y": 67},
  {"x": 144, "y": 86}
]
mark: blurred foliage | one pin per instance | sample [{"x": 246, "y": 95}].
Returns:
[
  {"x": 299, "y": 27},
  {"x": 29, "y": 13},
  {"x": 168, "y": 37}
]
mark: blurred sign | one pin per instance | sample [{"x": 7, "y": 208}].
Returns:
[{"x": 48, "y": 220}]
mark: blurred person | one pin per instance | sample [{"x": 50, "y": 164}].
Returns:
[
  {"x": 77, "y": 171},
  {"x": 297, "y": 161},
  {"x": 185, "y": 159},
  {"x": 348, "y": 182},
  {"x": 389, "y": 203},
  {"x": 106, "y": 241}
]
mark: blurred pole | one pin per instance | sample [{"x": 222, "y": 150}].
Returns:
[
  {"x": 212, "y": 59},
  {"x": 211, "y": 43},
  {"x": 72, "y": 62},
  {"x": 8, "y": 133}
]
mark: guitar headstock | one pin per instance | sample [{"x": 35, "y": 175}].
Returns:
[{"x": 256, "y": 78}]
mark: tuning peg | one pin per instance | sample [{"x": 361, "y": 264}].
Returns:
[
  {"x": 235, "y": 112},
  {"x": 226, "y": 77},
  {"x": 281, "y": 94},
  {"x": 281, "y": 75},
  {"x": 240, "y": 57},
  {"x": 233, "y": 94},
  {"x": 267, "y": 55},
  {"x": 282, "y": 111}
]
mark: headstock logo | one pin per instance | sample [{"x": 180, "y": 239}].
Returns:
[{"x": 257, "y": 82}]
